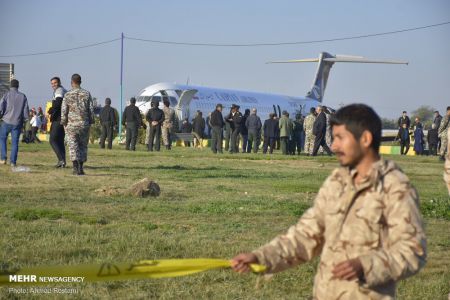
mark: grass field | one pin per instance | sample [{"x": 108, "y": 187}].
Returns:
[{"x": 210, "y": 206}]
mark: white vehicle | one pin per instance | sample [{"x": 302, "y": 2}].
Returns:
[{"x": 187, "y": 99}]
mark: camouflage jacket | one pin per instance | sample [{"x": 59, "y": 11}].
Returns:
[
  {"x": 169, "y": 116},
  {"x": 309, "y": 123},
  {"x": 378, "y": 221},
  {"x": 445, "y": 124},
  {"x": 447, "y": 163},
  {"x": 77, "y": 108}
]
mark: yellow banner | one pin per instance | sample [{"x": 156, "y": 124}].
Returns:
[{"x": 114, "y": 271}]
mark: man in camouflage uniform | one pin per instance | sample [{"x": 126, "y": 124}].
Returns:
[
  {"x": 365, "y": 223},
  {"x": 443, "y": 128},
  {"x": 169, "y": 116},
  {"x": 308, "y": 128},
  {"x": 447, "y": 163},
  {"x": 77, "y": 115}
]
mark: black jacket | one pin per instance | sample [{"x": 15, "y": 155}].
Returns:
[
  {"x": 155, "y": 114},
  {"x": 237, "y": 121},
  {"x": 55, "y": 110},
  {"x": 270, "y": 128},
  {"x": 132, "y": 114},
  {"x": 198, "y": 125},
  {"x": 405, "y": 120},
  {"x": 402, "y": 136},
  {"x": 108, "y": 115},
  {"x": 320, "y": 125},
  {"x": 216, "y": 119},
  {"x": 433, "y": 136}
]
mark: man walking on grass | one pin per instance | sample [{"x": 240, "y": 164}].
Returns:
[
  {"x": 13, "y": 111},
  {"x": 77, "y": 116},
  {"x": 364, "y": 224}
]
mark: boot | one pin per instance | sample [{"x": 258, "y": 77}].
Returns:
[
  {"x": 80, "y": 168},
  {"x": 75, "y": 167}
]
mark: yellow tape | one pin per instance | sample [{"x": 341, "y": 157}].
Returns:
[{"x": 111, "y": 271}]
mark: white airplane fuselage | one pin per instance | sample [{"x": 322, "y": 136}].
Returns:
[{"x": 186, "y": 100}]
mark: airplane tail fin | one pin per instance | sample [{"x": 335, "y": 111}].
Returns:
[{"x": 325, "y": 62}]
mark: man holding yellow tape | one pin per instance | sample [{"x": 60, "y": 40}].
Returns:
[{"x": 365, "y": 222}]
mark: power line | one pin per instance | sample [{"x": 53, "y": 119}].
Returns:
[
  {"x": 62, "y": 50},
  {"x": 231, "y": 44},
  {"x": 287, "y": 43}
]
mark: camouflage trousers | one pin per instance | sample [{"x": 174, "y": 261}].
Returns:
[
  {"x": 165, "y": 132},
  {"x": 309, "y": 143},
  {"x": 444, "y": 142},
  {"x": 77, "y": 140}
]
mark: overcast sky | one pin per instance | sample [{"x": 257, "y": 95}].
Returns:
[{"x": 37, "y": 26}]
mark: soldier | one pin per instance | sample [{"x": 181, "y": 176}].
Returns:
[
  {"x": 404, "y": 119},
  {"x": 167, "y": 126},
  {"x": 228, "y": 129},
  {"x": 443, "y": 128},
  {"x": 57, "y": 133},
  {"x": 253, "y": 124},
  {"x": 365, "y": 222},
  {"x": 77, "y": 116},
  {"x": 217, "y": 123},
  {"x": 447, "y": 164},
  {"x": 308, "y": 128},
  {"x": 13, "y": 111},
  {"x": 236, "y": 119},
  {"x": 108, "y": 121},
  {"x": 155, "y": 118},
  {"x": 132, "y": 119},
  {"x": 285, "y": 125},
  {"x": 297, "y": 134}
]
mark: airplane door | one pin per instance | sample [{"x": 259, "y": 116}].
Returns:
[{"x": 184, "y": 103}]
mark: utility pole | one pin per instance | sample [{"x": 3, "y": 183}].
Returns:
[{"x": 121, "y": 89}]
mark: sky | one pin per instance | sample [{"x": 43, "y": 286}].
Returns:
[{"x": 39, "y": 26}]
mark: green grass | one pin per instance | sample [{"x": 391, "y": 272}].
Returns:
[{"x": 210, "y": 206}]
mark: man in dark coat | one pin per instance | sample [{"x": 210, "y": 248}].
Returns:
[
  {"x": 403, "y": 137},
  {"x": 320, "y": 130},
  {"x": 270, "y": 130},
  {"x": 244, "y": 131},
  {"x": 132, "y": 120},
  {"x": 404, "y": 119},
  {"x": 198, "y": 129},
  {"x": 236, "y": 119},
  {"x": 155, "y": 118},
  {"x": 432, "y": 139},
  {"x": 217, "y": 123},
  {"x": 108, "y": 121}
]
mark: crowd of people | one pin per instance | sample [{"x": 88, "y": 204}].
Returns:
[
  {"x": 436, "y": 138},
  {"x": 232, "y": 132}
]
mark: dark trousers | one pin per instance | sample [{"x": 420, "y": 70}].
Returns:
[
  {"x": 154, "y": 136},
  {"x": 404, "y": 147},
  {"x": 227, "y": 136},
  {"x": 132, "y": 133},
  {"x": 284, "y": 141},
  {"x": 253, "y": 141},
  {"x": 216, "y": 139},
  {"x": 34, "y": 137},
  {"x": 269, "y": 142},
  {"x": 432, "y": 149},
  {"x": 56, "y": 140},
  {"x": 234, "y": 147},
  {"x": 107, "y": 133},
  {"x": 244, "y": 138},
  {"x": 320, "y": 141}
]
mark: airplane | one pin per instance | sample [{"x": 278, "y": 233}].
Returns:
[{"x": 188, "y": 99}]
